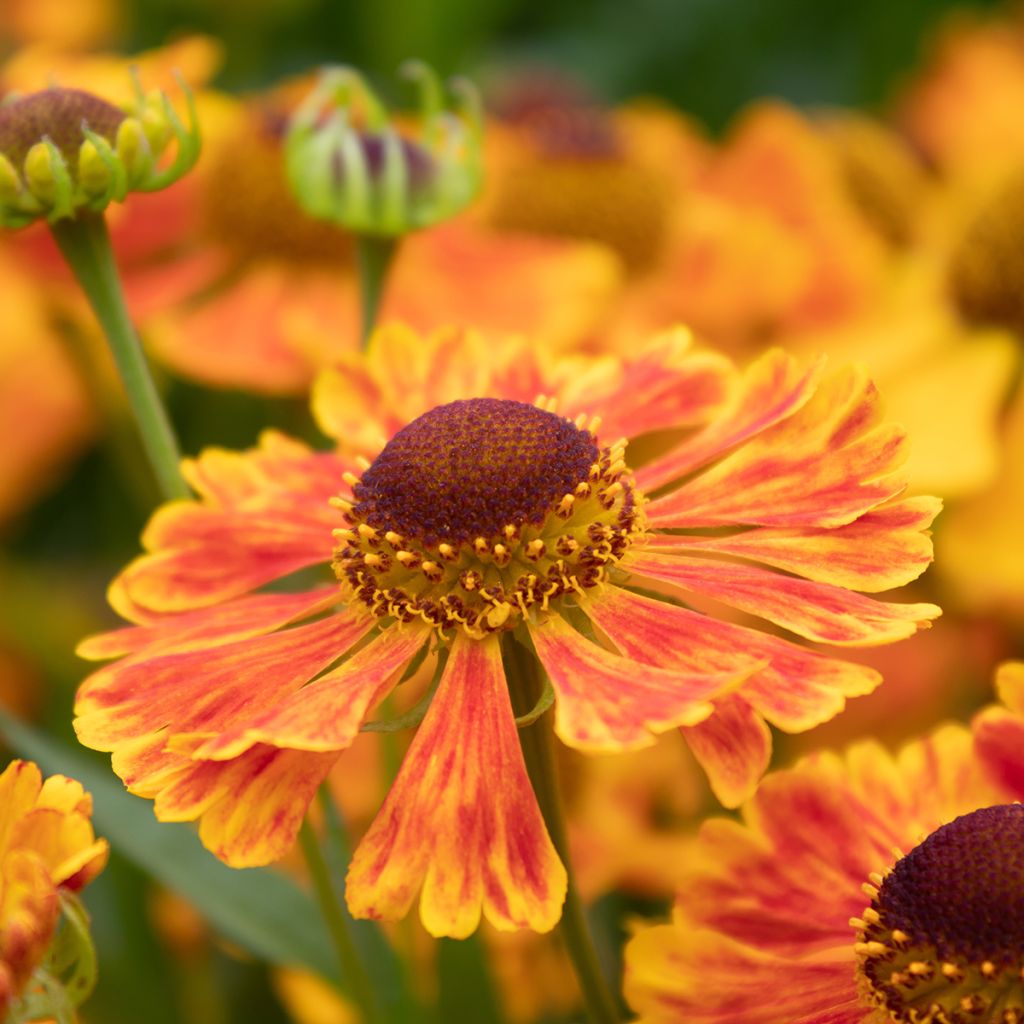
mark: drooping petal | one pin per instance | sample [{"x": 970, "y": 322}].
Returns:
[
  {"x": 207, "y": 690},
  {"x": 825, "y": 465},
  {"x": 326, "y": 714},
  {"x": 461, "y": 820},
  {"x": 816, "y": 611},
  {"x": 885, "y": 548},
  {"x": 773, "y": 387},
  {"x": 604, "y": 701},
  {"x": 793, "y": 688},
  {"x": 733, "y": 746}
]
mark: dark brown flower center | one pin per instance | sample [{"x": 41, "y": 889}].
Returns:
[
  {"x": 986, "y": 273},
  {"x": 945, "y": 933},
  {"x": 56, "y": 114},
  {"x": 482, "y": 508}
]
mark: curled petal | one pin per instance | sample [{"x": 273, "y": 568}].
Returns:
[
  {"x": 825, "y": 465},
  {"x": 461, "y": 820}
]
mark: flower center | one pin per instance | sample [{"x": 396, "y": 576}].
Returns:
[
  {"x": 943, "y": 939},
  {"x": 57, "y": 114},
  {"x": 479, "y": 509},
  {"x": 986, "y": 272}
]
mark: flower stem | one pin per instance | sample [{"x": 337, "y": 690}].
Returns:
[
  {"x": 85, "y": 245},
  {"x": 537, "y": 740},
  {"x": 352, "y": 969},
  {"x": 374, "y": 256}
]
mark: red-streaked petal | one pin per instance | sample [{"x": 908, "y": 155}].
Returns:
[
  {"x": 816, "y": 611},
  {"x": 825, "y": 465},
  {"x": 326, "y": 714},
  {"x": 773, "y": 387},
  {"x": 734, "y": 747},
  {"x": 252, "y": 615},
  {"x": 207, "y": 690},
  {"x": 999, "y": 739},
  {"x": 676, "y": 974},
  {"x": 461, "y": 819},
  {"x": 885, "y": 548},
  {"x": 795, "y": 689},
  {"x": 251, "y": 808},
  {"x": 221, "y": 555},
  {"x": 606, "y": 702},
  {"x": 665, "y": 385}
]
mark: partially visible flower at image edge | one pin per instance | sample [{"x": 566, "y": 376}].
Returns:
[
  {"x": 46, "y": 845},
  {"x": 487, "y": 523},
  {"x": 858, "y": 887}
]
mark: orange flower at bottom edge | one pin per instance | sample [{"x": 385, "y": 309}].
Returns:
[
  {"x": 483, "y": 528},
  {"x": 807, "y": 912},
  {"x": 46, "y": 844}
]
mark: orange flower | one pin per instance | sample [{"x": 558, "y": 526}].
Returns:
[
  {"x": 46, "y": 845},
  {"x": 483, "y": 524},
  {"x": 772, "y": 924},
  {"x": 45, "y": 415},
  {"x": 767, "y": 232}
]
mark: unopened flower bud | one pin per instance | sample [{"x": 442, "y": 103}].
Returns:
[{"x": 349, "y": 164}]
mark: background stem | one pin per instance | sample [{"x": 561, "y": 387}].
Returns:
[
  {"x": 525, "y": 683},
  {"x": 374, "y": 256},
  {"x": 85, "y": 245},
  {"x": 352, "y": 969}
]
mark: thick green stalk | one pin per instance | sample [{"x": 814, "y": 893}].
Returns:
[
  {"x": 352, "y": 970},
  {"x": 85, "y": 244},
  {"x": 374, "y": 256},
  {"x": 537, "y": 740}
]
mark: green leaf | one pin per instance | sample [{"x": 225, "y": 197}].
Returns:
[
  {"x": 261, "y": 910},
  {"x": 466, "y": 988}
]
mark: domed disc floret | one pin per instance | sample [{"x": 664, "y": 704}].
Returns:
[
  {"x": 943, "y": 939},
  {"x": 479, "y": 510}
]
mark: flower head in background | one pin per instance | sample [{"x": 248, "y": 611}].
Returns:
[
  {"x": 808, "y": 910},
  {"x": 486, "y": 529},
  {"x": 65, "y": 150},
  {"x": 48, "y": 852}
]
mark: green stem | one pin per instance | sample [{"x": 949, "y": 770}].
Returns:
[
  {"x": 352, "y": 970},
  {"x": 374, "y": 256},
  {"x": 85, "y": 245},
  {"x": 526, "y": 685}
]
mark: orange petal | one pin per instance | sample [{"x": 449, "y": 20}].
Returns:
[
  {"x": 825, "y": 465},
  {"x": 251, "y": 807},
  {"x": 248, "y": 616},
  {"x": 793, "y": 688},
  {"x": 1010, "y": 685},
  {"x": 326, "y": 714},
  {"x": 999, "y": 739},
  {"x": 817, "y": 611},
  {"x": 207, "y": 690},
  {"x": 773, "y": 388},
  {"x": 604, "y": 703},
  {"x": 885, "y": 548},
  {"x": 734, "y": 747},
  {"x": 461, "y": 819}
]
